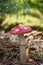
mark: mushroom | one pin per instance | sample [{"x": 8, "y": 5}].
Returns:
[{"x": 20, "y": 30}]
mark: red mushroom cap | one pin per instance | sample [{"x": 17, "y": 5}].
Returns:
[{"x": 20, "y": 29}]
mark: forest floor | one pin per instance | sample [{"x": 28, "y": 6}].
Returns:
[{"x": 10, "y": 51}]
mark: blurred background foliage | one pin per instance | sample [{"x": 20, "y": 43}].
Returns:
[{"x": 27, "y": 12}]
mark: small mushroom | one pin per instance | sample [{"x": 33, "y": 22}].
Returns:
[{"x": 20, "y": 30}]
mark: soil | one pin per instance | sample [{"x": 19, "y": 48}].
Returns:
[{"x": 10, "y": 51}]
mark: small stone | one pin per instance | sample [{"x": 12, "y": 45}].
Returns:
[{"x": 1, "y": 37}]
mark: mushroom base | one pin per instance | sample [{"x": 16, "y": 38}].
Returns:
[{"x": 22, "y": 48}]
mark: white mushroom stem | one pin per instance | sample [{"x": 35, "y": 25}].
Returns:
[{"x": 22, "y": 48}]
